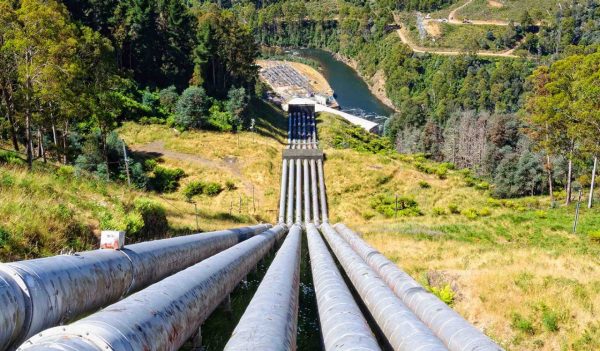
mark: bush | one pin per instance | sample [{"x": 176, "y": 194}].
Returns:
[
  {"x": 230, "y": 185},
  {"x": 438, "y": 211},
  {"x": 166, "y": 180},
  {"x": 444, "y": 293},
  {"x": 197, "y": 187},
  {"x": 541, "y": 214},
  {"x": 482, "y": 186},
  {"x": 11, "y": 158},
  {"x": 469, "y": 213},
  {"x": 154, "y": 219},
  {"x": 386, "y": 205},
  {"x": 550, "y": 320},
  {"x": 453, "y": 209},
  {"x": 484, "y": 212},
  {"x": 212, "y": 189},
  {"x": 521, "y": 323},
  {"x": 192, "y": 189},
  {"x": 594, "y": 236},
  {"x": 65, "y": 172},
  {"x": 424, "y": 185}
]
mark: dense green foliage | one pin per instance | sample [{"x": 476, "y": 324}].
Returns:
[
  {"x": 459, "y": 109},
  {"x": 71, "y": 73}
]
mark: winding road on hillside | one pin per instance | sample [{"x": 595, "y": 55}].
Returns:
[
  {"x": 404, "y": 37},
  {"x": 453, "y": 20}
]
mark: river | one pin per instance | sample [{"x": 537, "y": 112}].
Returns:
[{"x": 351, "y": 91}]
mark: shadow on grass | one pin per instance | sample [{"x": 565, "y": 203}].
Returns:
[{"x": 270, "y": 121}]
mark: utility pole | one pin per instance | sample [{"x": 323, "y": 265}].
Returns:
[
  {"x": 577, "y": 211},
  {"x": 591, "y": 199},
  {"x": 127, "y": 164}
]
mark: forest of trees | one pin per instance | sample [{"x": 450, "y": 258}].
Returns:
[
  {"x": 467, "y": 110},
  {"x": 70, "y": 73}
]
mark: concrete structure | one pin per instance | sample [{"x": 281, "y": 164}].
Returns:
[{"x": 361, "y": 122}]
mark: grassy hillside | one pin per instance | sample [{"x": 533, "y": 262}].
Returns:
[{"x": 512, "y": 267}]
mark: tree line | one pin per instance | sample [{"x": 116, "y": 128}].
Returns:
[{"x": 466, "y": 109}]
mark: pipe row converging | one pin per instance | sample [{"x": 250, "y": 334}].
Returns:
[{"x": 162, "y": 291}]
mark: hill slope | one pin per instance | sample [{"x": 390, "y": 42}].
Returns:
[{"x": 512, "y": 267}]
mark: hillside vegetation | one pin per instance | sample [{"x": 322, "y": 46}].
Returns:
[{"x": 512, "y": 267}]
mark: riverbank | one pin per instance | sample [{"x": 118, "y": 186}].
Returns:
[{"x": 376, "y": 83}]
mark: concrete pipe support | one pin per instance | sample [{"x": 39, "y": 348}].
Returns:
[
  {"x": 342, "y": 324},
  {"x": 45, "y": 292},
  {"x": 270, "y": 321},
  {"x": 165, "y": 315},
  {"x": 457, "y": 333},
  {"x": 403, "y": 330}
]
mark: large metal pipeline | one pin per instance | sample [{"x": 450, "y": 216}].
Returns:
[
  {"x": 314, "y": 190},
  {"x": 165, "y": 315},
  {"x": 314, "y": 129},
  {"x": 283, "y": 191},
  {"x": 306, "y": 191},
  {"x": 456, "y": 332},
  {"x": 324, "y": 214},
  {"x": 45, "y": 292},
  {"x": 403, "y": 330},
  {"x": 290, "y": 118},
  {"x": 290, "y": 198},
  {"x": 342, "y": 323},
  {"x": 270, "y": 321},
  {"x": 298, "y": 191}
]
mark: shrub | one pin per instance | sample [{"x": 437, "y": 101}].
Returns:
[
  {"x": 484, "y": 212},
  {"x": 211, "y": 189},
  {"x": 453, "y": 209},
  {"x": 441, "y": 171},
  {"x": 386, "y": 205},
  {"x": 192, "y": 189},
  {"x": 550, "y": 320},
  {"x": 166, "y": 179},
  {"x": 444, "y": 293},
  {"x": 541, "y": 214},
  {"x": 424, "y": 185},
  {"x": 469, "y": 213},
  {"x": 154, "y": 219},
  {"x": 11, "y": 157},
  {"x": 523, "y": 324},
  {"x": 230, "y": 185},
  {"x": 482, "y": 186},
  {"x": 594, "y": 236},
  {"x": 438, "y": 211},
  {"x": 65, "y": 172}
]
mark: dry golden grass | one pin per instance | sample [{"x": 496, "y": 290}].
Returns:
[{"x": 522, "y": 259}]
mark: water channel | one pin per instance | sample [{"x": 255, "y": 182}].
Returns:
[{"x": 351, "y": 91}]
